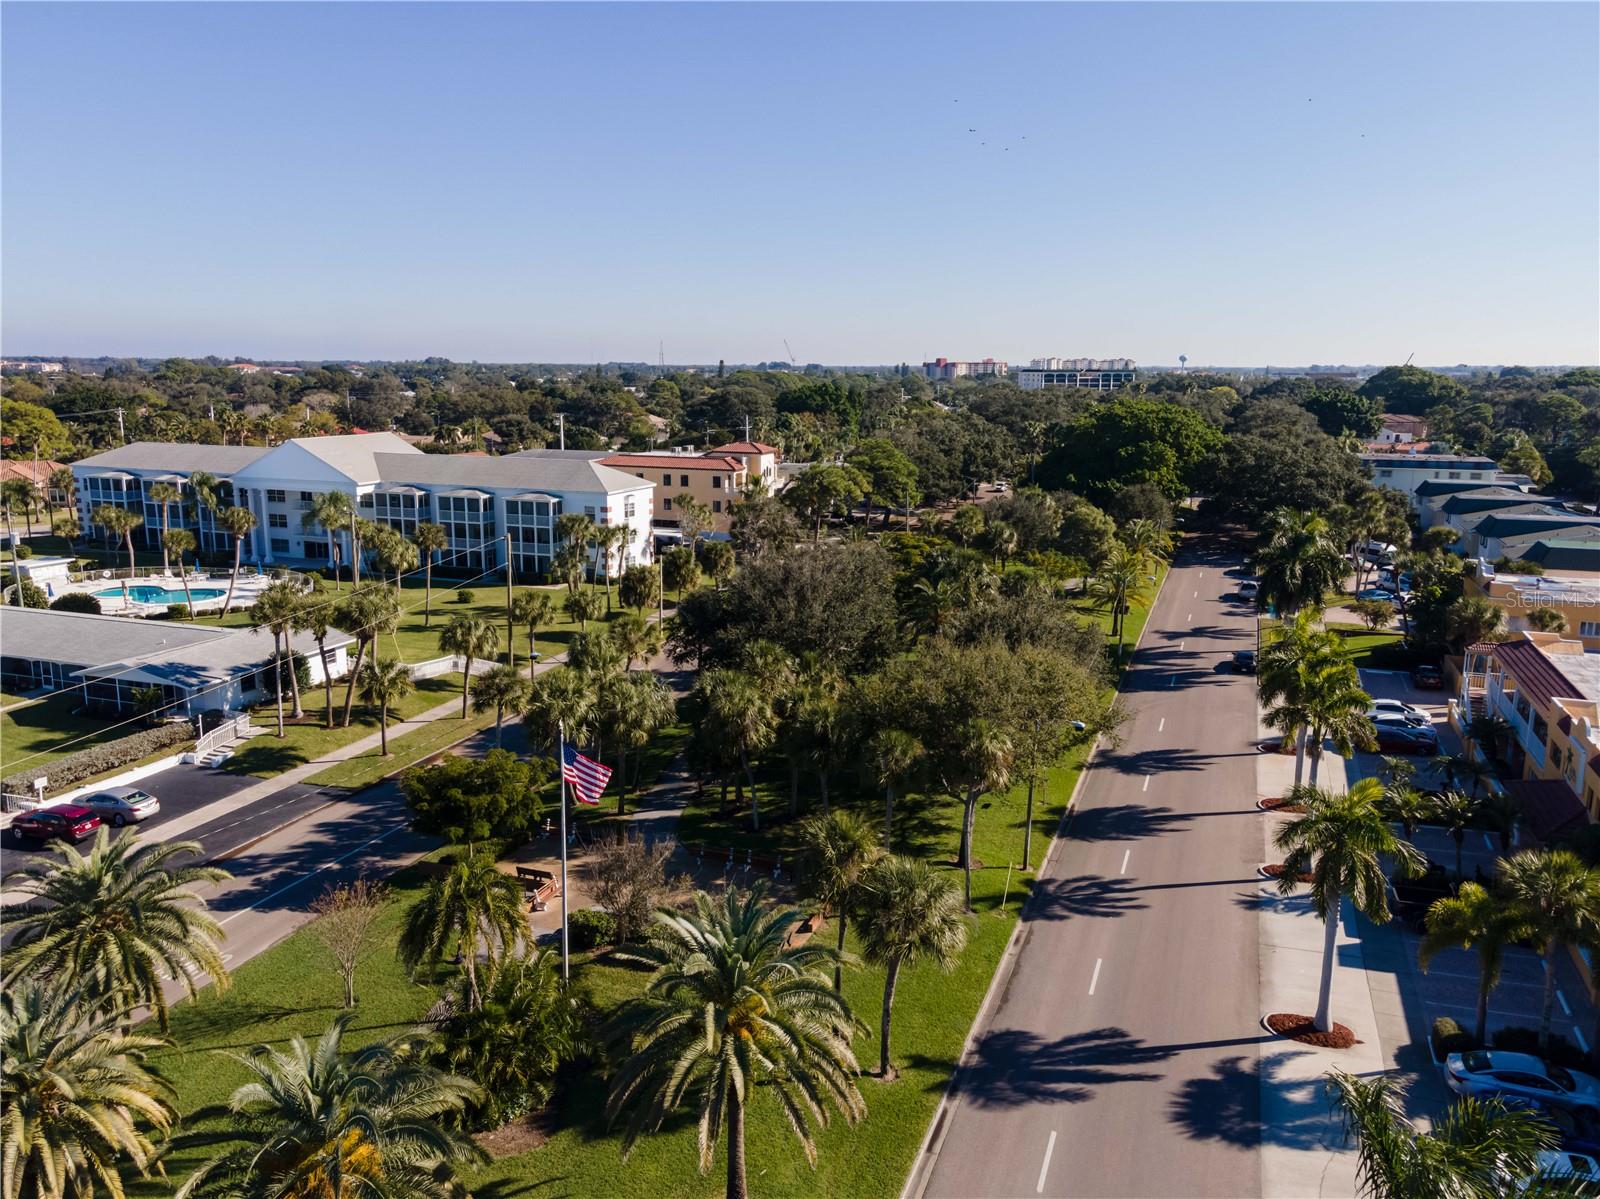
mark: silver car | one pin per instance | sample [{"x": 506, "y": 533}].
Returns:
[
  {"x": 1409, "y": 713},
  {"x": 1484, "y": 1072},
  {"x": 116, "y": 806}
]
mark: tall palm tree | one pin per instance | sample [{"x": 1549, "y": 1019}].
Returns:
[
  {"x": 17, "y": 493},
  {"x": 61, "y": 481},
  {"x": 1473, "y": 919},
  {"x": 1557, "y": 898},
  {"x": 74, "y": 1094},
  {"x": 1117, "y": 586},
  {"x": 906, "y": 912},
  {"x": 316, "y": 617},
  {"x": 115, "y": 924},
  {"x": 384, "y": 683},
  {"x": 394, "y": 554},
  {"x": 67, "y": 526},
  {"x": 499, "y": 688},
  {"x": 1470, "y": 1153},
  {"x": 324, "y": 1122},
  {"x": 680, "y": 571},
  {"x": 608, "y": 539},
  {"x": 334, "y": 511},
  {"x": 179, "y": 542},
  {"x": 840, "y": 847},
  {"x": 1291, "y": 660},
  {"x": 582, "y": 606},
  {"x": 981, "y": 757},
  {"x": 733, "y": 1012},
  {"x": 430, "y": 539},
  {"x": 239, "y": 523},
  {"x": 472, "y": 906},
  {"x": 1299, "y": 562},
  {"x": 1456, "y": 811},
  {"x": 1341, "y": 841},
  {"x": 277, "y": 609},
  {"x": 740, "y": 714},
  {"x": 1472, "y": 619},
  {"x": 632, "y": 708},
  {"x": 207, "y": 489},
  {"x": 639, "y": 639},
  {"x": 575, "y": 530},
  {"x": 119, "y": 522},
  {"x": 1459, "y": 769},
  {"x": 1147, "y": 539},
  {"x": 560, "y": 701},
  {"x": 1338, "y": 708},
  {"x": 892, "y": 756},
  {"x": 531, "y": 608},
  {"x": 166, "y": 495},
  {"x": 469, "y": 637},
  {"x": 369, "y": 611}
]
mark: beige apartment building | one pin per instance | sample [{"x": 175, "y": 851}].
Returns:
[{"x": 715, "y": 480}]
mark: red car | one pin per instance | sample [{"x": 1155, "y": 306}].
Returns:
[
  {"x": 66, "y": 822},
  {"x": 1427, "y": 678}
]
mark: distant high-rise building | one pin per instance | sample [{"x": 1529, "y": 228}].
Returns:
[
  {"x": 1095, "y": 374},
  {"x": 945, "y": 369}
]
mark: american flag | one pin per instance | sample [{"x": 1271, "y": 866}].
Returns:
[{"x": 588, "y": 778}]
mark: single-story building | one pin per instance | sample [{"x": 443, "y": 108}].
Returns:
[{"x": 109, "y": 658}]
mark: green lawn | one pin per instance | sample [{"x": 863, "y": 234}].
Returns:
[
  {"x": 40, "y": 733},
  {"x": 1375, "y": 651},
  {"x": 371, "y": 767},
  {"x": 308, "y": 740}
]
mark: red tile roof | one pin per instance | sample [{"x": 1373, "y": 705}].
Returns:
[
  {"x": 745, "y": 447},
  {"x": 1537, "y": 676},
  {"x": 666, "y": 462},
  {"x": 23, "y": 468}
]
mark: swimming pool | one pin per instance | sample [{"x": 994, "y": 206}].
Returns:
[{"x": 144, "y": 593}]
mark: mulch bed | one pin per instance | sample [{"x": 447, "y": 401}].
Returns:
[
  {"x": 1280, "y": 804},
  {"x": 1300, "y": 1028},
  {"x": 1275, "y": 870},
  {"x": 519, "y": 1136}
]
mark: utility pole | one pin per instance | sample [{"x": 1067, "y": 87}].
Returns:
[
  {"x": 511, "y": 635},
  {"x": 661, "y": 589},
  {"x": 122, "y": 429},
  {"x": 561, "y": 425}
]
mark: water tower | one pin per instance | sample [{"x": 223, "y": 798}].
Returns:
[{"x": 1183, "y": 362}]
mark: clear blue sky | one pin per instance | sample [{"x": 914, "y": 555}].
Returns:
[{"x": 1253, "y": 183}]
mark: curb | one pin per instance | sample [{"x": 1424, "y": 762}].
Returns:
[{"x": 928, "y": 1151}]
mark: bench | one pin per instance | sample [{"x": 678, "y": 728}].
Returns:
[
  {"x": 533, "y": 879},
  {"x": 540, "y": 885}
]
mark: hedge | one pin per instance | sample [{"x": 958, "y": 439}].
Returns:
[
  {"x": 1449, "y": 1037},
  {"x": 589, "y": 928},
  {"x": 98, "y": 759}
]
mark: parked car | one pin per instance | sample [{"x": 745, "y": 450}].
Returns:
[
  {"x": 1249, "y": 589},
  {"x": 64, "y": 822},
  {"x": 118, "y": 805},
  {"x": 1414, "y": 896},
  {"x": 1578, "y": 1127},
  {"x": 1244, "y": 661},
  {"x": 1377, "y": 593},
  {"x": 1386, "y": 579},
  {"x": 1427, "y": 678},
  {"x": 1483, "y": 1072},
  {"x": 1560, "y": 1165},
  {"x": 1398, "y": 737},
  {"x": 1410, "y": 713}
]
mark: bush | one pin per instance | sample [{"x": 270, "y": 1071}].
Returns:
[
  {"x": 589, "y": 928},
  {"x": 76, "y": 601},
  {"x": 1561, "y": 1051},
  {"x": 466, "y": 596},
  {"x": 177, "y": 611},
  {"x": 22, "y": 551},
  {"x": 1449, "y": 1037},
  {"x": 29, "y": 594},
  {"x": 302, "y": 674},
  {"x": 98, "y": 759}
]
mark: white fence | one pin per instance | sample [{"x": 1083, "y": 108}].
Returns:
[{"x": 434, "y": 667}]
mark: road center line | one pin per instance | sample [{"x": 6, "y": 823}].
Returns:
[
  {"x": 1180, "y": 646},
  {"x": 1188, "y": 618},
  {"x": 1162, "y": 725},
  {"x": 1049, "y": 1148},
  {"x": 1094, "y": 981},
  {"x": 312, "y": 874},
  {"x": 1146, "y": 786},
  {"x": 1582, "y": 1044},
  {"x": 1172, "y": 680},
  {"x": 1126, "y": 854},
  {"x": 1562, "y": 999}
]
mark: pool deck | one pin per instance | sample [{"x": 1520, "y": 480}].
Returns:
[{"x": 244, "y": 596}]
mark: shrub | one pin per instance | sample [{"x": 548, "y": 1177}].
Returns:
[
  {"x": 466, "y": 596},
  {"x": 29, "y": 594},
  {"x": 1449, "y": 1037},
  {"x": 177, "y": 611},
  {"x": 589, "y": 928},
  {"x": 76, "y": 601},
  {"x": 98, "y": 759},
  {"x": 21, "y": 551},
  {"x": 1516, "y": 1039},
  {"x": 302, "y": 674},
  {"x": 628, "y": 877}
]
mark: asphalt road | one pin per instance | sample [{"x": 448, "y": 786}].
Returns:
[{"x": 1120, "y": 1057}]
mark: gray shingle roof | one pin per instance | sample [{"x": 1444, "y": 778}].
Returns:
[
  {"x": 176, "y": 456},
  {"x": 543, "y": 473},
  {"x": 355, "y": 454}
]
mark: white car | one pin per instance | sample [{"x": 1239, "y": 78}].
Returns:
[
  {"x": 116, "y": 806},
  {"x": 1410, "y": 713},
  {"x": 1485, "y": 1072},
  {"x": 1248, "y": 589},
  {"x": 1558, "y": 1166}
]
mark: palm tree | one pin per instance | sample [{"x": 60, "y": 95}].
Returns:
[
  {"x": 582, "y": 607},
  {"x": 1147, "y": 539},
  {"x": 1557, "y": 899},
  {"x": 119, "y": 522},
  {"x": 560, "y": 701},
  {"x": 680, "y": 571},
  {"x": 17, "y": 493},
  {"x": 67, "y": 526},
  {"x": 239, "y": 523},
  {"x": 1291, "y": 662},
  {"x": 906, "y": 912},
  {"x": 384, "y": 683},
  {"x": 1299, "y": 562},
  {"x": 739, "y": 712},
  {"x": 115, "y": 924},
  {"x": 331, "y": 1123},
  {"x": 733, "y": 1012},
  {"x": 632, "y": 708},
  {"x": 1489, "y": 733},
  {"x": 892, "y": 756},
  {"x": 1341, "y": 841},
  {"x": 472, "y": 905},
  {"x": 1456, "y": 769},
  {"x": 576, "y": 530},
  {"x": 500, "y": 687},
  {"x": 840, "y": 847},
  {"x": 982, "y": 760},
  {"x": 639, "y": 639},
  {"x": 1473, "y": 919},
  {"x": 1338, "y": 708},
  {"x": 317, "y": 619},
  {"x": 608, "y": 539},
  {"x": 1456, "y": 811},
  {"x": 61, "y": 480},
  {"x": 1472, "y": 619},
  {"x": 73, "y": 1094},
  {"x": 166, "y": 495},
  {"x": 469, "y": 637},
  {"x": 1548, "y": 620},
  {"x": 532, "y": 609},
  {"x": 430, "y": 539},
  {"x": 393, "y": 553},
  {"x": 179, "y": 542},
  {"x": 277, "y": 609},
  {"x": 1117, "y": 586},
  {"x": 335, "y": 510},
  {"x": 369, "y": 611},
  {"x": 1470, "y": 1152}
]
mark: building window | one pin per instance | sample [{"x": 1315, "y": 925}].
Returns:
[
  {"x": 1384, "y": 474},
  {"x": 277, "y": 520},
  {"x": 716, "y": 505},
  {"x": 244, "y": 495},
  {"x": 1455, "y": 474},
  {"x": 627, "y": 507},
  {"x": 280, "y": 545},
  {"x": 666, "y": 503},
  {"x": 1589, "y": 628},
  {"x": 683, "y": 480},
  {"x": 274, "y": 495},
  {"x": 589, "y": 512},
  {"x": 366, "y": 500},
  {"x": 666, "y": 480},
  {"x": 305, "y": 497},
  {"x": 716, "y": 482}
]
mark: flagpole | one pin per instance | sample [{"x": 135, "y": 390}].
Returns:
[{"x": 561, "y": 765}]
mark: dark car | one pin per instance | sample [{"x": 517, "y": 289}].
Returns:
[
  {"x": 1244, "y": 661},
  {"x": 64, "y": 822},
  {"x": 1414, "y": 896},
  {"x": 1578, "y": 1127},
  {"x": 1397, "y": 738},
  {"x": 1427, "y": 678}
]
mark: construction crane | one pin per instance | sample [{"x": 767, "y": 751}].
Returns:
[{"x": 790, "y": 352}]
